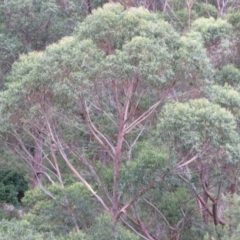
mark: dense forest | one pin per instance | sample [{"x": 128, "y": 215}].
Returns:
[{"x": 119, "y": 119}]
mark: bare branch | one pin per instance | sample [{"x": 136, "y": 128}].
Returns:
[
  {"x": 146, "y": 114},
  {"x": 134, "y": 230},
  {"x": 79, "y": 176},
  {"x": 160, "y": 213},
  {"x": 98, "y": 135},
  {"x": 179, "y": 165}
]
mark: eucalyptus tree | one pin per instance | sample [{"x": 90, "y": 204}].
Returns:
[
  {"x": 218, "y": 39},
  {"x": 86, "y": 101},
  {"x": 22, "y": 230},
  {"x": 29, "y": 25},
  {"x": 204, "y": 141}
]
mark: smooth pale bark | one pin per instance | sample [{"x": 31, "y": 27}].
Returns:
[
  {"x": 37, "y": 160},
  {"x": 204, "y": 178}
]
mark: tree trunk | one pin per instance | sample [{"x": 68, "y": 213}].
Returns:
[
  {"x": 37, "y": 161},
  {"x": 204, "y": 178},
  {"x": 116, "y": 171},
  {"x": 1, "y": 78}
]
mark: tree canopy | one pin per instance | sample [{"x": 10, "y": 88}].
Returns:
[{"x": 130, "y": 126}]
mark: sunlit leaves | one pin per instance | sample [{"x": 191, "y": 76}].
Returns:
[
  {"x": 111, "y": 27},
  {"x": 225, "y": 96},
  {"x": 96, "y": 95},
  {"x": 143, "y": 59},
  {"x": 212, "y": 30},
  {"x": 22, "y": 230},
  {"x": 192, "y": 125},
  {"x": 192, "y": 62}
]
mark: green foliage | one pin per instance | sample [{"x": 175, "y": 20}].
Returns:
[
  {"x": 22, "y": 230},
  {"x": 3, "y": 214},
  {"x": 9, "y": 49},
  {"x": 174, "y": 202},
  {"x": 157, "y": 56},
  {"x": 212, "y": 30},
  {"x": 77, "y": 91},
  {"x": 228, "y": 74},
  {"x": 147, "y": 166},
  {"x": 39, "y": 23},
  {"x": 106, "y": 174},
  {"x": 30, "y": 25},
  {"x": 104, "y": 19},
  {"x": 180, "y": 14},
  {"x": 62, "y": 207},
  {"x": 189, "y": 125},
  {"x": 227, "y": 97},
  {"x": 192, "y": 63},
  {"x": 232, "y": 203},
  {"x": 182, "y": 20},
  {"x": 232, "y": 230},
  {"x": 141, "y": 58},
  {"x": 74, "y": 236},
  {"x": 110, "y": 27},
  {"x": 234, "y": 19},
  {"x": 102, "y": 228},
  {"x": 205, "y": 10},
  {"x": 105, "y": 229},
  {"x": 213, "y": 232},
  {"x": 12, "y": 186}
]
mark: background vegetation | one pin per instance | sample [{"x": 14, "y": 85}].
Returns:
[{"x": 119, "y": 119}]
